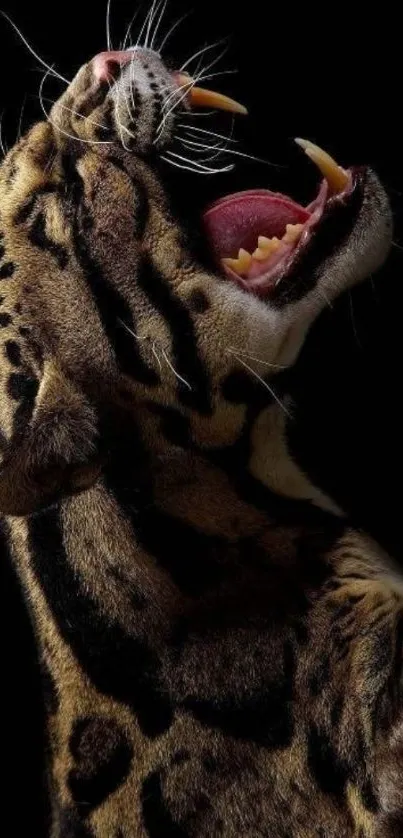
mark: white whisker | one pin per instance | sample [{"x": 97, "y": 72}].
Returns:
[
  {"x": 205, "y": 146},
  {"x": 203, "y": 73},
  {"x": 40, "y": 71},
  {"x": 133, "y": 334},
  {"x": 197, "y": 114},
  {"x": 150, "y": 22},
  {"x": 205, "y": 131},
  {"x": 181, "y": 166},
  {"x": 203, "y": 169},
  {"x": 71, "y": 136},
  {"x": 191, "y": 130},
  {"x": 232, "y": 151},
  {"x": 61, "y": 130},
  {"x": 235, "y": 351},
  {"x": 130, "y": 133},
  {"x": 264, "y": 383},
  {"x": 108, "y": 26},
  {"x": 186, "y": 87},
  {"x": 157, "y": 25},
  {"x": 120, "y": 126},
  {"x": 165, "y": 113},
  {"x": 179, "y": 377},
  {"x": 145, "y": 337},
  {"x": 76, "y": 113},
  {"x": 219, "y": 73},
  {"x": 189, "y": 168},
  {"x": 129, "y": 29},
  {"x": 201, "y": 52},
  {"x": 199, "y": 68},
  {"x": 131, "y": 89},
  {"x": 19, "y": 128},
  {"x": 172, "y": 30},
  {"x": 216, "y": 149},
  {"x": 128, "y": 110},
  {"x": 31, "y": 50},
  {"x": 2, "y": 145},
  {"x": 154, "y": 351},
  {"x": 144, "y": 26}
]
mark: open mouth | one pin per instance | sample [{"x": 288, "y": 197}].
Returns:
[
  {"x": 265, "y": 241},
  {"x": 258, "y": 236},
  {"x": 260, "y": 239}
]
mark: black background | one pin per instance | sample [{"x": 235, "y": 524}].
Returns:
[{"x": 312, "y": 72}]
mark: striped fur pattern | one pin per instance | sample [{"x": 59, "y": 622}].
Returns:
[{"x": 221, "y": 653}]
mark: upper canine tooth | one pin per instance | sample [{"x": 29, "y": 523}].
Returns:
[
  {"x": 336, "y": 177},
  {"x": 198, "y": 97},
  {"x": 293, "y": 232}
]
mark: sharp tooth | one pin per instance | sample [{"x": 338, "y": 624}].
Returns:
[
  {"x": 293, "y": 232},
  {"x": 198, "y": 97},
  {"x": 263, "y": 242},
  {"x": 260, "y": 255},
  {"x": 266, "y": 248},
  {"x": 233, "y": 264},
  {"x": 244, "y": 259},
  {"x": 336, "y": 177},
  {"x": 241, "y": 264},
  {"x": 270, "y": 245}
]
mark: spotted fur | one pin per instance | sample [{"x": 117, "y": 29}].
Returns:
[{"x": 221, "y": 652}]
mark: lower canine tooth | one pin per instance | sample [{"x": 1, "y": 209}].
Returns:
[{"x": 336, "y": 177}]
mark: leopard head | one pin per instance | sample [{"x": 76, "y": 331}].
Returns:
[{"x": 115, "y": 304}]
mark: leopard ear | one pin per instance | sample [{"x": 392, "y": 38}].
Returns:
[{"x": 53, "y": 450}]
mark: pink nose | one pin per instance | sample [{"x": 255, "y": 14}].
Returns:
[{"x": 107, "y": 65}]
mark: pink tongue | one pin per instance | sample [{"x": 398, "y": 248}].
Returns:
[{"x": 237, "y": 220}]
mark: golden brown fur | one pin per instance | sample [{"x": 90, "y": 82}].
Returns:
[{"x": 222, "y": 654}]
